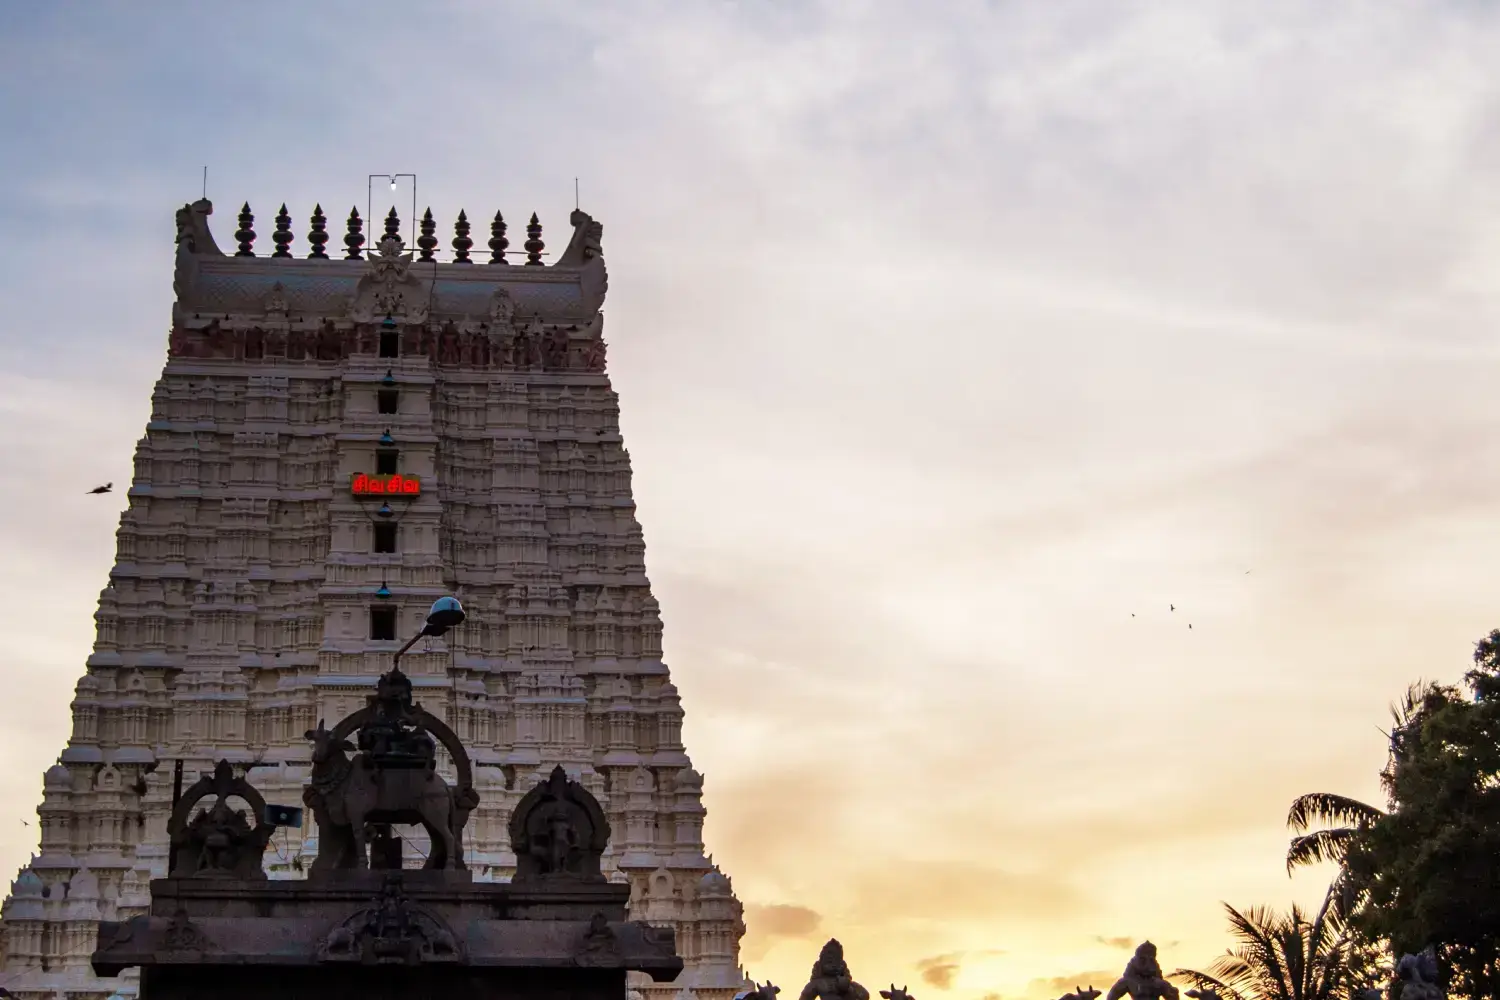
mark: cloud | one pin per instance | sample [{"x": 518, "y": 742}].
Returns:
[
  {"x": 944, "y": 341},
  {"x": 1067, "y": 984},
  {"x": 1123, "y": 943},
  {"x": 766, "y": 924},
  {"x": 939, "y": 970}
]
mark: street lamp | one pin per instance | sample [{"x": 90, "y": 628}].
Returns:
[{"x": 445, "y": 613}]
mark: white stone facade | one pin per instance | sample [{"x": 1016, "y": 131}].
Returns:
[{"x": 239, "y": 611}]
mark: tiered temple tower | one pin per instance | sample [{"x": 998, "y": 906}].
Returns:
[{"x": 338, "y": 438}]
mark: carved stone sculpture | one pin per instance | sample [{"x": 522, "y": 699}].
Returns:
[
  {"x": 895, "y": 994},
  {"x": 392, "y": 930},
  {"x": 1419, "y": 976},
  {"x": 558, "y": 831},
  {"x": 219, "y": 842},
  {"x": 764, "y": 991},
  {"x": 346, "y": 794},
  {"x": 599, "y": 945},
  {"x": 1143, "y": 979},
  {"x": 1079, "y": 993},
  {"x": 831, "y": 979}
]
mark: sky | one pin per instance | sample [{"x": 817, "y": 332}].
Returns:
[{"x": 956, "y": 342}]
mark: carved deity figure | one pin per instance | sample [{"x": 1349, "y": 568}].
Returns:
[
  {"x": 1419, "y": 976},
  {"x": 593, "y": 355},
  {"x": 555, "y": 350},
  {"x": 1143, "y": 979},
  {"x": 831, "y": 979},
  {"x": 558, "y": 830},
  {"x": 502, "y": 309},
  {"x": 218, "y": 842}
]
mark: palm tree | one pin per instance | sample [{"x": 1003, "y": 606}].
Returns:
[
  {"x": 1342, "y": 818},
  {"x": 1285, "y": 957}
]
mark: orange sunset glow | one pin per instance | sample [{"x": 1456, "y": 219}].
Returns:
[{"x": 967, "y": 354}]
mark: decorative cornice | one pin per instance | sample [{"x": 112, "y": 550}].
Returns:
[{"x": 208, "y": 281}]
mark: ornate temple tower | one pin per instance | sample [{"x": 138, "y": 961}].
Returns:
[{"x": 337, "y": 439}]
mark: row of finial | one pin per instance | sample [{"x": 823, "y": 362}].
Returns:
[{"x": 354, "y": 239}]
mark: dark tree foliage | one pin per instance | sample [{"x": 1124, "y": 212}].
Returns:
[
  {"x": 1290, "y": 956},
  {"x": 1429, "y": 868}
]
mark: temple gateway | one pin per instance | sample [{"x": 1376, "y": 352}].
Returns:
[{"x": 342, "y": 435}]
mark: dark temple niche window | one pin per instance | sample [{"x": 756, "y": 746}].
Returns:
[
  {"x": 390, "y": 343},
  {"x": 388, "y": 400},
  {"x": 383, "y": 623},
  {"x": 385, "y": 538},
  {"x": 385, "y": 462}
]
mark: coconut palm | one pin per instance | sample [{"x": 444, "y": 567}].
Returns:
[
  {"x": 1341, "y": 818},
  {"x": 1285, "y": 957}
]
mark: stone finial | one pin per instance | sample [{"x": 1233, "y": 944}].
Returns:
[
  {"x": 461, "y": 241},
  {"x": 895, "y": 994},
  {"x": 558, "y": 831},
  {"x": 831, "y": 978},
  {"x": 318, "y": 234},
  {"x": 355, "y": 237},
  {"x": 427, "y": 240},
  {"x": 498, "y": 242},
  {"x": 392, "y": 227},
  {"x": 1143, "y": 978},
  {"x": 245, "y": 235},
  {"x": 282, "y": 235},
  {"x": 534, "y": 245}
]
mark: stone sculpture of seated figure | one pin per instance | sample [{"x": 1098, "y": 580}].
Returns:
[{"x": 1143, "y": 979}]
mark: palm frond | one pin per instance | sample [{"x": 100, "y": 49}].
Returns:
[
  {"x": 1203, "y": 981},
  {"x": 1330, "y": 810},
  {"x": 1319, "y": 846}
]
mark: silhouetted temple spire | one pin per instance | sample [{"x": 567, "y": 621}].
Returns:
[
  {"x": 282, "y": 235},
  {"x": 318, "y": 234},
  {"x": 534, "y": 244},
  {"x": 245, "y": 235},
  {"x": 498, "y": 242},
  {"x": 393, "y": 227},
  {"x": 461, "y": 241},
  {"x": 355, "y": 237},
  {"x": 427, "y": 240}
]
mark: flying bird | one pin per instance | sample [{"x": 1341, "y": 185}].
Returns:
[
  {"x": 102, "y": 489},
  {"x": 1171, "y": 607},
  {"x": 1190, "y": 624}
]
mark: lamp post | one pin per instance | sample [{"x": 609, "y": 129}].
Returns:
[{"x": 446, "y": 613}]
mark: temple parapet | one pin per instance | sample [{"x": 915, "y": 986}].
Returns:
[{"x": 455, "y": 285}]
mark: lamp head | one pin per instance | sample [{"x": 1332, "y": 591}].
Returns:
[{"x": 445, "y": 614}]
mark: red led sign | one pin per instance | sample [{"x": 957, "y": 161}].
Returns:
[{"x": 384, "y": 486}]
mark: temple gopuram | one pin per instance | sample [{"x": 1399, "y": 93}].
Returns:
[{"x": 348, "y": 427}]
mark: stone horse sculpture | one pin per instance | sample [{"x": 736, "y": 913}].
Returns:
[{"x": 346, "y": 794}]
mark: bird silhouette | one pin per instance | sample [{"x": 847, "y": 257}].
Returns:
[
  {"x": 102, "y": 489},
  {"x": 1190, "y": 624},
  {"x": 1171, "y": 607}
]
